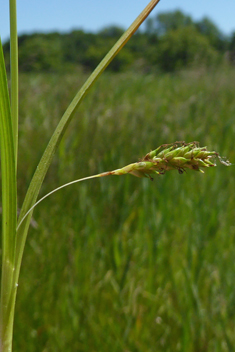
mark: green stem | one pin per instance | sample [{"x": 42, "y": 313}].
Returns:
[
  {"x": 9, "y": 213},
  {"x": 9, "y": 146},
  {"x": 14, "y": 75},
  {"x": 108, "y": 173}
]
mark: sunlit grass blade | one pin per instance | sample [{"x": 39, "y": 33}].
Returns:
[{"x": 9, "y": 211}]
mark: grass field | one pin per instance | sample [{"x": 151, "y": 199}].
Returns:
[{"x": 124, "y": 264}]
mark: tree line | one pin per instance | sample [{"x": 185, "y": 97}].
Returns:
[{"x": 168, "y": 42}]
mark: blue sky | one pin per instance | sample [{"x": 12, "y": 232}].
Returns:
[{"x": 92, "y": 15}]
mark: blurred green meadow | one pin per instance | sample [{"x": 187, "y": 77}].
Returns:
[{"x": 119, "y": 263}]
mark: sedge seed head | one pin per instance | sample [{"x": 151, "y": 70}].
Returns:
[{"x": 176, "y": 156}]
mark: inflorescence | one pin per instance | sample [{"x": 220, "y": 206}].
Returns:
[{"x": 176, "y": 156}]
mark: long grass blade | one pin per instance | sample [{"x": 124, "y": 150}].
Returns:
[
  {"x": 14, "y": 75},
  {"x": 9, "y": 212}
]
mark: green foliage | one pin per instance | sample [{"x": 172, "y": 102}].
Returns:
[
  {"x": 232, "y": 48},
  {"x": 164, "y": 23},
  {"x": 214, "y": 35},
  {"x": 168, "y": 21},
  {"x": 125, "y": 264},
  {"x": 96, "y": 52},
  {"x": 40, "y": 52},
  {"x": 184, "y": 47},
  {"x": 111, "y": 32},
  {"x": 75, "y": 46},
  {"x": 56, "y": 52},
  {"x": 232, "y": 42}
]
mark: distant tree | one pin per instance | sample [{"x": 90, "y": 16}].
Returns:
[
  {"x": 122, "y": 61},
  {"x": 106, "y": 39},
  {"x": 167, "y": 21},
  {"x": 40, "y": 52},
  {"x": 232, "y": 42},
  {"x": 76, "y": 44},
  {"x": 111, "y": 32},
  {"x": 183, "y": 47},
  {"x": 139, "y": 44},
  {"x": 150, "y": 26},
  {"x": 95, "y": 54},
  {"x": 232, "y": 48},
  {"x": 170, "y": 40},
  {"x": 212, "y": 32}
]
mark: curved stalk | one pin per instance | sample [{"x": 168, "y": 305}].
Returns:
[{"x": 60, "y": 187}]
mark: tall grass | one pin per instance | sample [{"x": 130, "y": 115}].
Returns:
[{"x": 124, "y": 264}]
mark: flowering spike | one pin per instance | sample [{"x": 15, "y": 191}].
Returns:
[
  {"x": 152, "y": 154},
  {"x": 176, "y": 156}
]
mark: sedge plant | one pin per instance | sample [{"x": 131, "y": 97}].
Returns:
[
  {"x": 13, "y": 240},
  {"x": 179, "y": 156}
]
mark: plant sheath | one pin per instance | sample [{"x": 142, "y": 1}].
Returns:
[{"x": 9, "y": 213}]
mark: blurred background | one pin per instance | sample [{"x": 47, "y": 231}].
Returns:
[{"x": 121, "y": 263}]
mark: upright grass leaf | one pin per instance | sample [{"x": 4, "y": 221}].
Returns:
[
  {"x": 14, "y": 74},
  {"x": 9, "y": 212},
  {"x": 46, "y": 159}
]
